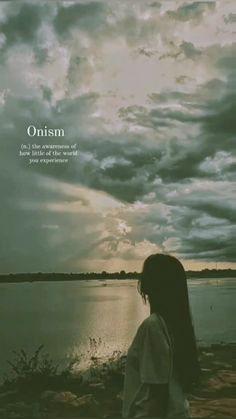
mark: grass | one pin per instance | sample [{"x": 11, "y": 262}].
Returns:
[
  {"x": 31, "y": 375},
  {"x": 34, "y": 373}
]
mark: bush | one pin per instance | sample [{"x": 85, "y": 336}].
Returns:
[{"x": 37, "y": 372}]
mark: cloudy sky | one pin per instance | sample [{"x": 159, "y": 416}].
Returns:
[{"x": 146, "y": 89}]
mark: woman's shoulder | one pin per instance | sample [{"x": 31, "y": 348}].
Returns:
[
  {"x": 153, "y": 322},
  {"x": 153, "y": 329}
]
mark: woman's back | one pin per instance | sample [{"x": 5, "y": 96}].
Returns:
[{"x": 150, "y": 362}]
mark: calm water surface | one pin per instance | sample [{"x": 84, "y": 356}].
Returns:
[{"x": 63, "y": 316}]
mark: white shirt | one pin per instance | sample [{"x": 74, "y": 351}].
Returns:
[{"x": 150, "y": 361}]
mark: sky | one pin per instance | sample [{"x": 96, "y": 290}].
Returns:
[{"x": 146, "y": 89}]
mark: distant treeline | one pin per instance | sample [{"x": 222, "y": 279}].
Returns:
[{"x": 41, "y": 276}]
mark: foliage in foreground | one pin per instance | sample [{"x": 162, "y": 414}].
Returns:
[
  {"x": 62, "y": 393},
  {"x": 35, "y": 373}
]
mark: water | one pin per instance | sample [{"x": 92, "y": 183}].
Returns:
[{"x": 62, "y": 316}]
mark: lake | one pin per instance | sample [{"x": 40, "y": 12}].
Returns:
[{"x": 64, "y": 315}]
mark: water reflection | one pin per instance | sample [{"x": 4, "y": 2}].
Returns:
[{"x": 63, "y": 316}]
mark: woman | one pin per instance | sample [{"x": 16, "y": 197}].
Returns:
[{"x": 162, "y": 363}]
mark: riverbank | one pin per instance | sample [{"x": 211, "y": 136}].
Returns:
[
  {"x": 38, "y": 390},
  {"x": 103, "y": 276}
]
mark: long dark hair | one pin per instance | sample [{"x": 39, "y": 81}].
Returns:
[{"x": 163, "y": 282}]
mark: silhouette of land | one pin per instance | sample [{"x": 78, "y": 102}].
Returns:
[{"x": 45, "y": 277}]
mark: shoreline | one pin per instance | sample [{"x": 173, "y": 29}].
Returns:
[
  {"x": 103, "y": 281},
  {"x": 103, "y": 276},
  {"x": 71, "y": 395}
]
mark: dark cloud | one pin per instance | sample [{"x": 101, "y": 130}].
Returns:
[
  {"x": 220, "y": 210},
  {"x": 191, "y": 11},
  {"x": 225, "y": 59},
  {"x": 168, "y": 170},
  {"x": 86, "y": 15},
  {"x": 204, "y": 231},
  {"x": 189, "y": 50},
  {"x": 209, "y": 249},
  {"x": 155, "y": 4},
  {"x": 184, "y": 50},
  {"x": 22, "y": 26},
  {"x": 220, "y": 118},
  {"x": 214, "y": 118},
  {"x": 231, "y": 18}
]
